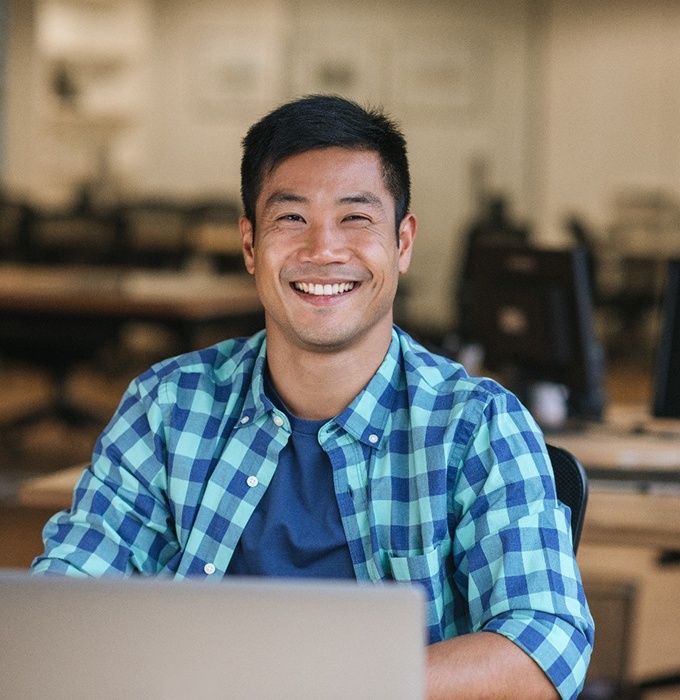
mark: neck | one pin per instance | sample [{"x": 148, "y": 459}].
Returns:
[{"x": 319, "y": 385}]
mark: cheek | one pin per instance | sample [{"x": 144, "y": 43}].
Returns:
[
  {"x": 270, "y": 260},
  {"x": 383, "y": 257}
]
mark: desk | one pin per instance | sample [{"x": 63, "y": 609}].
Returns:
[
  {"x": 112, "y": 294},
  {"x": 629, "y": 447},
  {"x": 634, "y": 479},
  {"x": 53, "y": 491},
  {"x": 57, "y": 317},
  {"x": 632, "y": 519}
]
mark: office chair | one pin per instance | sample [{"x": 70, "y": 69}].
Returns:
[
  {"x": 73, "y": 237},
  {"x": 154, "y": 234},
  {"x": 15, "y": 229},
  {"x": 572, "y": 487},
  {"x": 214, "y": 236}
]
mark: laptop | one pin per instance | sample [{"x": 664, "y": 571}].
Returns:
[{"x": 241, "y": 639}]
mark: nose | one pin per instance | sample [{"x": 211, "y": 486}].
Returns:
[{"x": 324, "y": 243}]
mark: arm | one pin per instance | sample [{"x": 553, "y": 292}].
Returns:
[
  {"x": 484, "y": 665},
  {"x": 118, "y": 522},
  {"x": 513, "y": 560}
]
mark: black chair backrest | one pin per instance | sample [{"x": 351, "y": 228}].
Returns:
[{"x": 572, "y": 487}]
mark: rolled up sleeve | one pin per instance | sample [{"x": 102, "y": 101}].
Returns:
[{"x": 513, "y": 553}]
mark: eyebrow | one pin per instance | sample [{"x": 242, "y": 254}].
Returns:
[
  {"x": 283, "y": 197},
  {"x": 362, "y": 198}
]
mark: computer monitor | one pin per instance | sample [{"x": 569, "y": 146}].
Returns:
[
  {"x": 666, "y": 403},
  {"x": 532, "y": 314}
]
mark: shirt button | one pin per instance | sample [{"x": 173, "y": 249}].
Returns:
[
  {"x": 209, "y": 568},
  {"x": 244, "y": 420},
  {"x": 278, "y": 421},
  {"x": 252, "y": 481},
  {"x": 373, "y": 438}
]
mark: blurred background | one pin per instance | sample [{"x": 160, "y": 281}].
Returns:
[
  {"x": 566, "y": 108},
  {"x": 120, "y": 140}
]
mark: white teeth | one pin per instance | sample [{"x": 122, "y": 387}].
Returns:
[{"x": 324, "y": 289}]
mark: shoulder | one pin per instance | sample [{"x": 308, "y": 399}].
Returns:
[
  {"x": 229, "y": 363},
  {"x": 452, "y": 405},
  {"x": 428, "y": 374}
]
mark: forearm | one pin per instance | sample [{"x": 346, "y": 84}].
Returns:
[{"x": 484, "y": 666}]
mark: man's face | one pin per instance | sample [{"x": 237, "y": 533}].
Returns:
[{"x": 325, "y": 258}]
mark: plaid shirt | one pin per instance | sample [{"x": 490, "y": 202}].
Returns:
[{"x": 441, "y": 479}]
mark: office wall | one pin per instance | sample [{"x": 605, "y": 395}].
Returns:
[
  {"x": 18, "y": 117},
  {"x": 611, "y": 106},
  {"x": 3, "y": 48}
]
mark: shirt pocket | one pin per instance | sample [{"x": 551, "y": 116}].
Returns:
[
  {"x": 416, "y": 567},
  {"x": 426, "y": 570}
]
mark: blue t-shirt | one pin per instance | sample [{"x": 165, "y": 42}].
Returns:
[{"x": 296, "y": 529}]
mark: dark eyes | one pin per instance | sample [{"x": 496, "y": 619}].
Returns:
[{"x": 351, "y": 218}]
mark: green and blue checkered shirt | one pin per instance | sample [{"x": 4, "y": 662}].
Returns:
[{"x": 441, "y": 479}]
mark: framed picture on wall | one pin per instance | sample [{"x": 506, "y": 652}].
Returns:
[
  {"x": 442, "y": 73},
  {"x": 345, "y": 61},
  {"x": 230, "y": 69}
]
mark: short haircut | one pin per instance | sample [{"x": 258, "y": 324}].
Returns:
[{"x": 324, "y": 121}]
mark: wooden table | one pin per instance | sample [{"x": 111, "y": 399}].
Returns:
[
  {"x": 54, "y": 491},
  {"x": 629, "y": 518},
  {"x": 58, "y": 317},
  {"x": 119, "y": 293},
  {"x": 629, "y": 447}
]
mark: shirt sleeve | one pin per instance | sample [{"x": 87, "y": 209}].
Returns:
[
  {"x": 120, "y": 520},
  {"x": 513, "y": 554}
]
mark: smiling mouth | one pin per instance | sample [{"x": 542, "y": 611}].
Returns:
[{"x": 326, "y": 290}]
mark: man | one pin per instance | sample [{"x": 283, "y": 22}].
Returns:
[{"x": 333, "y": 445}]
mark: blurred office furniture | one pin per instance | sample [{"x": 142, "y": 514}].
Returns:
[
  {"x": 149, "y": 233},
  {"x": 154, "y": 234},
  {"x": 37, "y": 329},
  {"x": 612, "y": 604},
  {"x": 633, "y": 596},
  {"x": 666, "y": 401},
  {"x": 59, "y": 317},
  {"x": 583, "y": 236},
  {"x": 531, "y": 312},
  {"x": 633, "y": 464},
  {"x": 632, "y": 257},
  {"x": 15, "y": 229},
  {"x": 493, "y": 228},
  {"x": 214, "y": 236},
  {"x": 73, "y": 237},
  {"x": 571, "y": 483}
]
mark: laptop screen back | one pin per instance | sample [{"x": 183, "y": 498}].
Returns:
[{"x": 238, "y": 639}]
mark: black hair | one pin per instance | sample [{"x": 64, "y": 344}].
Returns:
[{"x": 323, "y": 121}]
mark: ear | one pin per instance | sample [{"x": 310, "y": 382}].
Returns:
[
  {"x": 247, "y": 243},
  {"x": 407, "y": 234}
]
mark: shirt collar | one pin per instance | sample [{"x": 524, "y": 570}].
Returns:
[
  {"x": 365, "y": 418},
  {"x": 256, "y": 403}
]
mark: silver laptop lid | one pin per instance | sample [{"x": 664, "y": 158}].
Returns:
[{"x": 238, "y": 639}]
